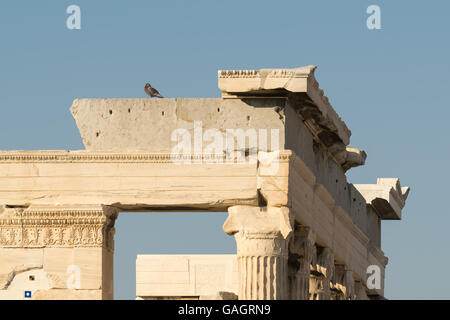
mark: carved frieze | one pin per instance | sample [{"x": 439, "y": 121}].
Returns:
[{"x": 58, "y": 227}]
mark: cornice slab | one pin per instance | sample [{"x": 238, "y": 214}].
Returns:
[
  {"x": 283, "y": 82},
  {"x": 387, "y": 197}
]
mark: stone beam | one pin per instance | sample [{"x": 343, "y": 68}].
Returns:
[
  {"x": 158, "y": 125},
  {"x": 127, "y": 180}
]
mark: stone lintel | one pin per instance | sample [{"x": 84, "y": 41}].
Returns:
[{"x": 148, "y": 181}]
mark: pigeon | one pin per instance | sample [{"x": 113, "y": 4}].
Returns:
[{"x": 152, "y": 92}]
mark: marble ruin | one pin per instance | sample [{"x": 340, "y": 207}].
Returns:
[{"x": 302, "y": 231}]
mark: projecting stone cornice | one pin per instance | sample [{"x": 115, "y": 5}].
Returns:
[
  {"x": 387, "y": 197},
  {"x": 297, "y": 84}
]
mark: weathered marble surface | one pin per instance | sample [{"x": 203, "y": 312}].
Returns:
[
  {"x": 186, "y": 276},
  {"x": 291, "y": 209}
]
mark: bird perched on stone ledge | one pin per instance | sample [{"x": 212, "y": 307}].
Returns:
[{"x": 152, "y": 92}]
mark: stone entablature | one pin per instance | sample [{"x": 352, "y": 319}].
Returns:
[
  {"x": 147, "y": 180},
  {"x": 298, "y": 83},
  {"x": 291, "y": 209},
  {"x": 310, "y": 204}
]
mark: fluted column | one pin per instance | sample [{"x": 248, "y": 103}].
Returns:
[
  {"x": 323, "y": 274},
  {"x": 302, "y": 252},
  {"x": 262, "y": 235}
]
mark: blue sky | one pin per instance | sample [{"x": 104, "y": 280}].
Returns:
[{"x": 390, "y": 86}]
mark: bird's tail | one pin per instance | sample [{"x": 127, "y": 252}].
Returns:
[{"x": 159, "y": 96}]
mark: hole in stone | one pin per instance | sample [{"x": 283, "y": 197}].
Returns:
[
  {"x": 162, "y": 113},
  {"x": 354, "y": 199},
  {"x": 337, "y": 180},
  {"x": 110, "y": 111},
  {"x": 248, "y": 118},
  {"x": 218, "y": 109},
  {"x": 97, "y": 134},
  {"x": 18, "y": 206},
  {"x": 129, "y": 110}
]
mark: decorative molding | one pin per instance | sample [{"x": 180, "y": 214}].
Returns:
[
  {"x": 58, "y": 227},
  {"x": 125, "y": 157},
  {"x": 86, "y": 156},
  {"x": 238, "y": 73},
  {"x": 302, "y": 72}
]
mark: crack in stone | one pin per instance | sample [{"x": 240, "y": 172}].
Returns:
[{"x": 17, "y": 270}]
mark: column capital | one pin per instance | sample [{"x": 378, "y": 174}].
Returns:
[
  {"x": 303, "y": 245},
  {"x": 344, "y": 282},
  {"x": 302, "y": 253},
  {"x": 325, "y": 262},
  {"x": 323, "y": 274},
  {"x": 266, "y": 222},
  {"x": 262, "y": 237}
]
